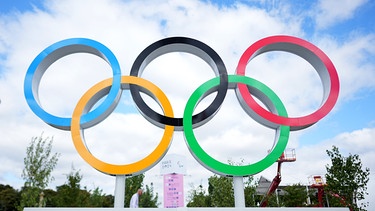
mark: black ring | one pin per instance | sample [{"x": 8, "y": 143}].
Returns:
[{"x": 179, "y": 44}]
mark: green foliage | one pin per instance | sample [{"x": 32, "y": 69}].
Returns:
[
  {"x": 29, "y": 197},
  {"x": 50, "y": 197},
  {"x": 250, "y": 191},
  {"x": 148, "y": 199},
  {"x": 274, "y": 201},
  {"x": 132, "y": 184},
  {"x": 39, "y": 163},
  {"x": 296, "y": 196},
  {"x": 9, "y": 198},
  {"x": 197, "y": 197},
  {"x": 70, "y": 194},
  {"x": 221, "y": 191},
  {"x": 108, "y": 200},
  {"x": 96, "y": 198},
  {"x": 346, "y": 177}
]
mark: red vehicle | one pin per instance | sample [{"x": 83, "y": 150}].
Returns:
[{"x": 289, "y": 155}]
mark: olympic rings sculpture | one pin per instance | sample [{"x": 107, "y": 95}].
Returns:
[{"x": 246, "y": 88}]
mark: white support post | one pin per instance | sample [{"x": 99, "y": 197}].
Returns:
[
  {"x": 119, "y": 191},
  {"x": 239, "y": 195}
]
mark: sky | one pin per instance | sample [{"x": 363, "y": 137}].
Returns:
[{"x": 345, "y": 31}]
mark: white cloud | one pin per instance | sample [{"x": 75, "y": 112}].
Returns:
[
  {"x": 330, "y": 12},
  {"x": 351, "y": 61}
]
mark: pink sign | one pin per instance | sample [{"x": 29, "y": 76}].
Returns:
[{"x": 173, "y": 190}]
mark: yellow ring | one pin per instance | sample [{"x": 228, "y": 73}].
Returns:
[{"x": 127, "y": 169}]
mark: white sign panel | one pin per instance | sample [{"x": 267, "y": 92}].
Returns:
[{"x": 173, "y": 164}]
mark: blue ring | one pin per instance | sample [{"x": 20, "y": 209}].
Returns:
[{"x": 56, "y": 51}]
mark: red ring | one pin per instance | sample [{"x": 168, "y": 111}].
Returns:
[{"x": 301, "y": 48}]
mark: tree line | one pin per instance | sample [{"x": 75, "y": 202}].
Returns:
[
  {"x": 345, "y": 186},
  {"x": 345, "y": 178},
  {"x": 72, "y": 194},
  {"x": 39, "y": 163}
]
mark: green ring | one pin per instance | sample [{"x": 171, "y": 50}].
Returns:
[{"x": 225, "y": 169}]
